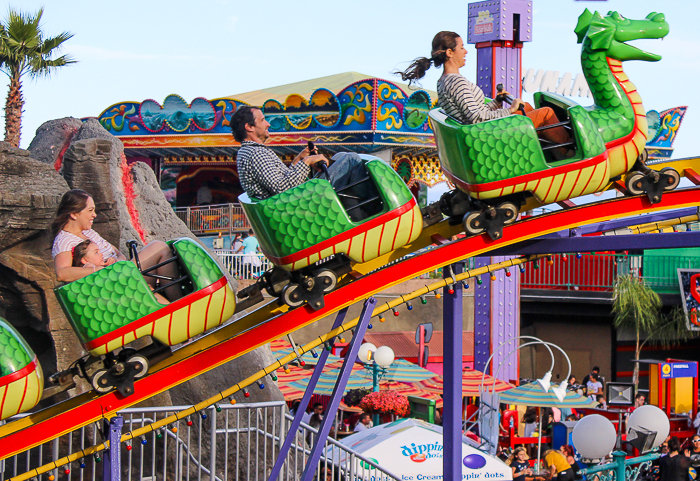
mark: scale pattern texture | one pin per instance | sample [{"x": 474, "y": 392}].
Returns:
[
  {"x": 202, "y": 269},
  {"x": 14, "y": 354},
  {"x": 502, "y": 149},
  {"x": 613, "y": 112},
  {"x": 311, "y": 213}
]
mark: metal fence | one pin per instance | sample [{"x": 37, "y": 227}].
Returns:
[
  {"x": 598, "y": 272},
  {"x": 239, "y": 442},
  {"x": 244, "y": 266},
  {"x": 213, "y": 218}
]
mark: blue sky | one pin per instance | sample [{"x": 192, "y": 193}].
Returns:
[{"x": 134, "y": 51}]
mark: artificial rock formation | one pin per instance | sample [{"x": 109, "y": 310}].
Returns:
[{"x": 130, "y": 205}]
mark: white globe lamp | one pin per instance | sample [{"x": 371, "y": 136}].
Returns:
[
  {"x": 384, "y": 356},
  {"x": 366, "y": 352},
  {"x": 594, "y": 437},
  {"x": 650, "y": 418}
]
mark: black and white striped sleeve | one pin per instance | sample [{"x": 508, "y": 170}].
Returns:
[{"x": 465, "y": 99}]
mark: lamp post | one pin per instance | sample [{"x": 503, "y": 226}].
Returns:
[
  {"x": 377, "y": 360},
  {"x": 594, "y": 437}
]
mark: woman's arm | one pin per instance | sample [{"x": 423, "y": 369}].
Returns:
[
  {"x": 67, "y": 273},
  {"x": 463, "y": 96}
]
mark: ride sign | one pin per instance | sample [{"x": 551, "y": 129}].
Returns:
[{"x": 671, "y": 370}]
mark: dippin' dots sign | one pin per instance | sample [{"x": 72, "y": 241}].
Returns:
[{"x": 427, "y": 477}]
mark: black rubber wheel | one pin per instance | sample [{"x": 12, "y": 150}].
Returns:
[
  {"x": 290, "y": 295},
  {"x": 634, "y": 184},
  {"x": 471, "y": 223},
  {"x": 673, "y": 179},
  {"x": 328, "y": 278}
]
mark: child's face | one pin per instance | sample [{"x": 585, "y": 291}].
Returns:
[{"x": 94, "y": 256}]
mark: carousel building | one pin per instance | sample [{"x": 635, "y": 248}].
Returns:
[{"x": 190, "y": 147}]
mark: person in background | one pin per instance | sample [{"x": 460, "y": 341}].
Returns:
[
  {"x": 596, "y": 371},
  {"x": 639, "y": 401},
  {"x": 559, "y": 468},
  {"x": 530, "y": 425},
  {"x": 568, "y": 451},
  {"x": 236, "y": 243},
  {"x": 363, "y": 423},
  {"x": 675, "y": 465},
  {"x": 518, "y": 463},
  {"x": 594, "y": 387},
  {"x": 694, "y": 452},
  {"x": 600, "y": 399},
  {"x": 571, "y": 417}
]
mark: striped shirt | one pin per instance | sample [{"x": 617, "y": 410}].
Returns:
[
  {"x": 464, "y": 101},
  {"x": 263, "y": 174},
  {"x": 65, "y": 241}
]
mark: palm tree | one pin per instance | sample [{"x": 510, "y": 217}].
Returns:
[
  {"x": 24, "y": 50},
  {"x": 636, "y": 306}
]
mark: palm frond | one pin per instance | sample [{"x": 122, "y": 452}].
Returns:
[{"x": 635, "y": 305}]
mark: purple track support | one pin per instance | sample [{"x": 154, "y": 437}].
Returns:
[
  {"x": 452, "y": 372},
  {"x": 482, "y": 318},
  {"x": 338, "y": 390},
  {"x": 112, "y": 462},
  {"x": 602, "y": 243},
  {"x": 318, "y": 370},
  {"x": 505, "y": 317}
]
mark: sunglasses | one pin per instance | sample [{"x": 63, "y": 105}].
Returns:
[{"x": 696, "y": 440}]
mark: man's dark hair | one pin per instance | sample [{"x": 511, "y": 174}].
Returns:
[
  {"x": 250, "y": 232},
  {"x": 639, "y": 395},
  {"x": 674, "y": 444},
  {"x": 364, "y": 415},
  {"x": 596, "y": 369},
  {"x": 241, "y": 117},
  {"x": 599, "y": 397},
  {"x": 317, "y": 405}
]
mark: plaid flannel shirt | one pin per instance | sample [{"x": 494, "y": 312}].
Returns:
[{"x": 263, "y": 174}]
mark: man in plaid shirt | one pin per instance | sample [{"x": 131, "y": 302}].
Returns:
[
  {"x": 260, "y": 170},
  {"x": 263, "y": 174}
]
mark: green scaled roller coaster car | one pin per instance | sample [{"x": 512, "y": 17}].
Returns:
[
  {"x": 500, "y": 165},
  {"x": 313, "y": 234},
  {"x": 21, "y": 379},
  {"x": 115, "y": 306}
]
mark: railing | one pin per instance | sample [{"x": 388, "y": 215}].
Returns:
[
  {"x": 213, "y": 218},
  {"x": 598, "y": 272},
  {"x": 244, "y": 266},
  {"x": 241, "y": 442}
]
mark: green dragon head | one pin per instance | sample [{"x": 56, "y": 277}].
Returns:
[{"x": 610, "y": 33}]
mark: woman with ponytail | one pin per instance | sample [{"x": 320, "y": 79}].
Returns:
[{"x": 464, "y": 101}]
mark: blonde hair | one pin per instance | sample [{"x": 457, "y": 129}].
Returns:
[{"x": 515, "y": 453}]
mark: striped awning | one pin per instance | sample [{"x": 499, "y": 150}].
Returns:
[
  {"x": 533, "y": 395},
  {"x": 471, "y": 383}
]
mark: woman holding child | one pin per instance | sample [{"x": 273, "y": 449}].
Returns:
[{"x": 73, "y": 226}]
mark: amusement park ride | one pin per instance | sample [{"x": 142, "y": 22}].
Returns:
[{"x": 325, "y": 261}]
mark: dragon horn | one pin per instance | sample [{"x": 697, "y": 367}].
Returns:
[{"x": 582, "y": 26}]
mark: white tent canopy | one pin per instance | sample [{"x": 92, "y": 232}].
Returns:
[{"x": 413, "y": 449}]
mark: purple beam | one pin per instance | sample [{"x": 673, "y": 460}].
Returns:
[
  {"x": 622, "y": 223},
  {"x": 601, "y": 243},
  {"x": 112, "y": 462},
  {"x": 338, "y": 390},
  {"x": 318, "y": 370},
  {"x": 505, "y": 317},
  {"x": 482, "y": 318},
  {"x": 452, "y": 373}
]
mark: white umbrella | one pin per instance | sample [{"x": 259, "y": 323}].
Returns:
[{"x": 412, "y": 449}]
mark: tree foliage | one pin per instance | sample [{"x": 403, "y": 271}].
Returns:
[
  {"x": 636, "y": 306},
  {"x": 26, "y": 50}
]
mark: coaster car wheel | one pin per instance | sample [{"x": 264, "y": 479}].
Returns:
[
  {"x": 328, "y": 280},
  {"x": 510, "y": 212},
  {"x": 670, "y": 177},
  {"x": 634, "y": 183},
  {"x": 140, "y": 365},
  {"x": 473, "y": 223},
  {"x": 100, "y": 382},
  {"x": 291, "y": 295}
]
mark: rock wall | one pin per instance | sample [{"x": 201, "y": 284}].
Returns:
[{"x": 130, "y": 205}]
